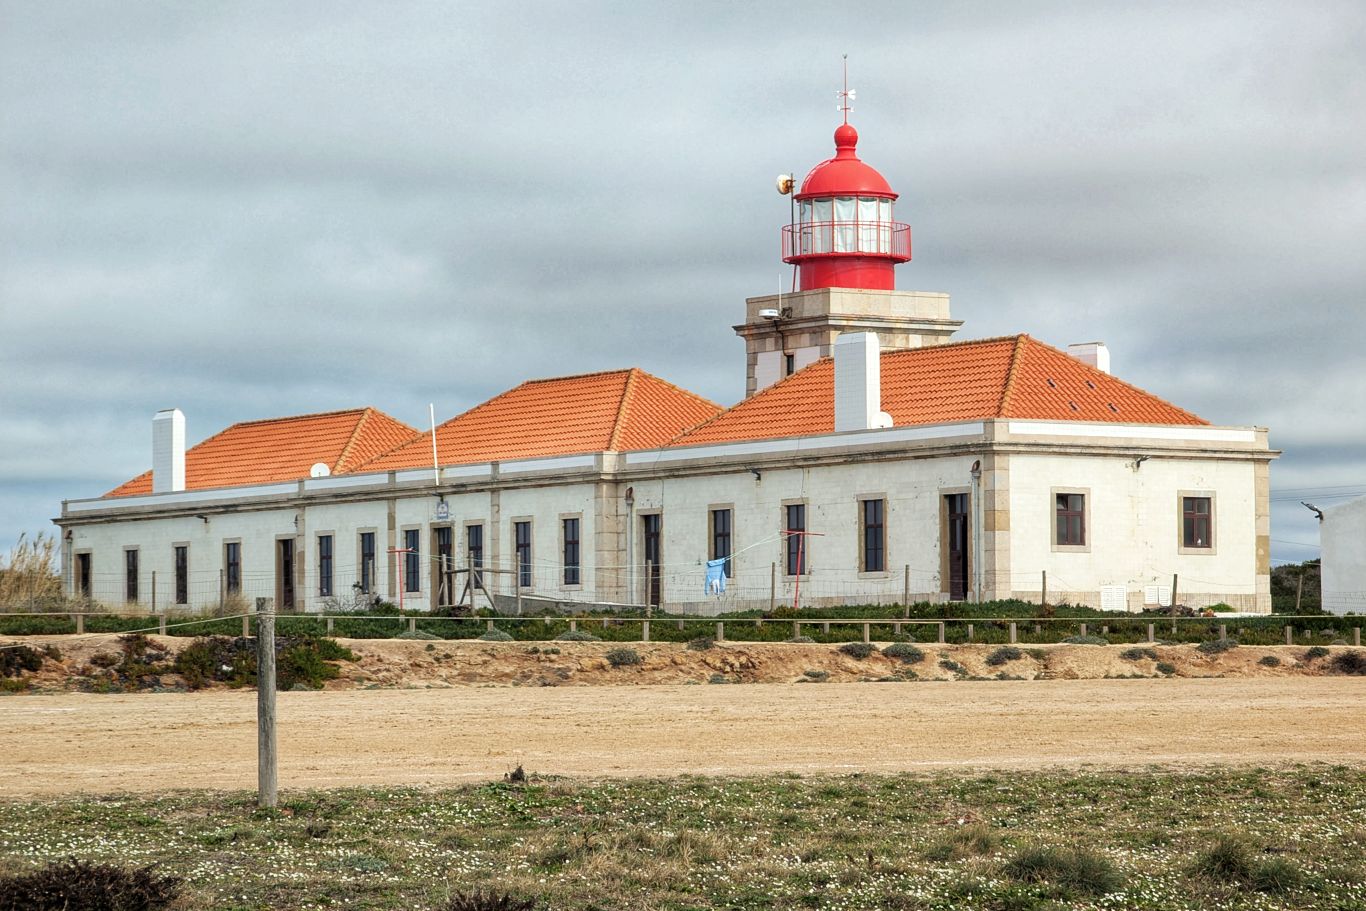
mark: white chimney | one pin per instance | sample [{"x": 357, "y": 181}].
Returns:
[
  {"x": 1093, "y": 353},
  {"x": 858, "y": 383},
  {"x": 168, "y": 451}
]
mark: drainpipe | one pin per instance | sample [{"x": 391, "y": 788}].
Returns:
[
  {"x": 630, "y": 545},
  {"x": 977, "y": 530}
]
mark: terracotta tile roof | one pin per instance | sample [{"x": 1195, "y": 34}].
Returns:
[
  {"x": 1009, "y": 377},
  {"x": 283, "y": 449},
  {"x": 617, "y": 410}
]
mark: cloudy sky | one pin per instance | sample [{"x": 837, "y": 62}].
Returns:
[{"x": 257, "y": 209}]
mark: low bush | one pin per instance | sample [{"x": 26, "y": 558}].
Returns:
[
  {"x": 816, "y": 676},
  {"x": 1216, "y": 646},
  {"x": 857, "y": 650},
  {"x": 701, "y": 644},
  {"x": 302, "y": 662},
  {"x": 577, "y": 635},
  {"x": 1004, "y": 654},
  {"x": 1232, "y": 861},
  {"x": 1165, "y": 667},
  {"x": 1086, "y": 640},
  {"x": 417, "y": 634},
  {"x": 496, "y": 635},
  {"x": 949, "y": 664},
  {"x": 1315, "y": 653},
  {"x": 801, "y": 640},
  {"x": 623, "y": 657},
  {"x": 75, "y": 885},
  {"x": 973, "y": 840},
  {"x": 718, "y": 678},
  {"x": 1138, "y": 654},
  {"x": 14, "y": 661},
  {"x": 904, "y": 652},
  {"x": 1269, "y": 661},
  {"x": 480, "y": 900},
  {"x": 1351, "y": 662},
  {"x": 1074, "y": 870}
]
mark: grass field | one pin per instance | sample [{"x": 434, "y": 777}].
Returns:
[{"x": 858, "y": 842}]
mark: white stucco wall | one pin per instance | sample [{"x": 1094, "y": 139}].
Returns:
[
  {"x": 1134, "y": 533},
  {"x": 1342, "y": 535}
]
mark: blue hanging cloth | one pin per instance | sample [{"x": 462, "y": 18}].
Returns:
[{"x": 716, "y": 576}]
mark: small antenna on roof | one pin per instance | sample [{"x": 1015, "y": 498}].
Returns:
[{"x": 847, "y": 95}]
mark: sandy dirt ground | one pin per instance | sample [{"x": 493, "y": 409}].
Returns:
[{"x": 86, "y": 743}]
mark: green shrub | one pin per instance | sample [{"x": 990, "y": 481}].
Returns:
[
  {"x": 479, "y": 900},
  {"x": 1350, "y": 662},
  {"x": 13, "y": 684},
  {"x": 577, "y": 635},
  {"x": 1073, "y": 869},
  {"x": 816, "y": 676},
  {"x": 1269, "y": 661},
  {"x": 1315, "y": 653},
  {"x": 857, "y": 650},
  {"x": 949, "y": 664},
  {"x": 1086, "y": 640},
  {"x": 1221, "y": 608},
  {"x": 701, "y": 644},
  {"x": 75, "y": 885},
  {"x": 417, "y": 634},
  {"x": 1165, "y": 667},
  {"x": 299, "y": 662},
  {"x": 800, "y": 640},
  {"x": 1216, "y": 646},
  {"x": 622, "y": 657},
  {"x": 1004, "y": 654},
  {"x": 496, "y": 635},
  {"x": 1230, "y": 860},
  {"x": 20, "y": 658},
  {"x": 718, "y": 678},
  {"x": 971, "y": 840},
  {"x": 904, "y": 652},
  {"x": 1138, "y": 654}
]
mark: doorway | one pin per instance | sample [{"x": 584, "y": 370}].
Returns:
[
  {"x": 651, "y": 526},
  {"x": 956, "y": 534},
  {"x": 284, "y": 573}
]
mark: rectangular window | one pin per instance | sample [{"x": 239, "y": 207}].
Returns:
[
  {"x": 789, "y": 364},
  {"x": 571, "y": 551},
  {"x": 522, "y": 539},
  {"x": 367, "y": 561},
  {"x": 1071, "y": 518},
  {"x": 324, "y": 566},
  {"x": 474, "y": 545},
  {"x": 182, "y": 574},
  {"x": 232, "y": 566},
  {"x": 1196, "y": 522},
  {"x": 412, "y": 561},
  {"x": 796, "y": 542},
  {"x": 720, "y": 539},
  {"x": 874, "y": 536},
  {"x": 130, "y": 575},
  {"x": 652, "y": 530}
]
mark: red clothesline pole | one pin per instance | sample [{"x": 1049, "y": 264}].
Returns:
[
  {"x": 801, "y": 560},
  {"x": 399, "y": 570}
]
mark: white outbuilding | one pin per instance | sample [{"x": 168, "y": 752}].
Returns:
[{"x": 1342, "y": 538}]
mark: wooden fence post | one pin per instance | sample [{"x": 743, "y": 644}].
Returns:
[
  {"x": 1174, "y": 580},
  {"x": 1299, "y": 590},
  {"x": 412, "y": 624},
  {"x": 573, "y": 626},
  {"x": 222, "y": 592},
  {"x": 80, "y": 623},
  {"x": 329, "y": 626},
  {"x": 266, "y": 782},
  {"x": 796, "y": 628},
  {"x": 161, "y": 624},
  {"x": 1356, "y": 636},
  {"x": 1223, "y": 631},
  {"x": 246, "y": 626},
  {"x": 154, "y": 596}
]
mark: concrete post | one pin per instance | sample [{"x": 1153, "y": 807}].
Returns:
[
  {"x": 329, "y": 626},
  {"x": 941, "y": 632},
  {"x": 796, "y": 628},
  {"x": 1289, "y": 636},
  {"x": 825, "y": 627},
  {"x": 906, "y": 592},
  {"x": 491, "y": 626},
  {"x": 1012, "y": 634},
  {"x": 969, "y": 632},
  {"x": 865, "y": 632},
  {"x": 80, "y": 623},
  {"x": 1083, "y": 629},
  {"x": 246, "y": 626},
  {"x": 1223, "y": 631},
  {"x": 412, "y": 624},
  {"x": 1151, "y": 637},
  {"x": 773, "y": 586},
  {"x": 720, "y": 631},
  {"x": 161, "y": 624},
  {"x": 645, "y": 631},
  {"x": 573, "y": 626},
  {"x": 1356, "y": 635}
]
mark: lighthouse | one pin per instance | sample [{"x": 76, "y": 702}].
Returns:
[{"x": 845, "y": 244}]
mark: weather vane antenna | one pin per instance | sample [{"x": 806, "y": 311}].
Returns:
[{"x": 847, "y": 95}]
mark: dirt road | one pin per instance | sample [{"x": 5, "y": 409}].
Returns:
[{"x": 93, "y": 743}]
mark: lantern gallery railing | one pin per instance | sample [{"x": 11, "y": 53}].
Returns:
[{"x": 836, "y": 238}]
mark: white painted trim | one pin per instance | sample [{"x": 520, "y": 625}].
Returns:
[
  {"x": 1133, "y": 431},
  {"x": 184, "y": 496},
  {"x": 550, "y": 463},
  {"x": 358, "y": 480},
  {"x": 796, "y": 445}
]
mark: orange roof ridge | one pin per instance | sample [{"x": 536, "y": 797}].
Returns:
[
  {"x": 623, "y": 410},
  {"x": 1014, "y": 372},
  {"x": 351, "y": 443},
  {"x": 293, "y": 417},
  {"x": 576, "y": 376}
]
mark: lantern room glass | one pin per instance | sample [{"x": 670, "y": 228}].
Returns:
[{"x": 845, "y": 224}]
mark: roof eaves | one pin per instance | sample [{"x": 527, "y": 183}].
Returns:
[{"x": 623, "y": 411}]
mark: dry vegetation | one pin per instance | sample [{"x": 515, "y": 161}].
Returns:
[{"x": 28, "y": 575}]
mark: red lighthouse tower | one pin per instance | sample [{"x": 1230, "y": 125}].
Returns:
[{"x": 845, "y": 236}]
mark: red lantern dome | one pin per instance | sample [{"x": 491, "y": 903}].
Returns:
[{"x": 845, "y": 236}]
